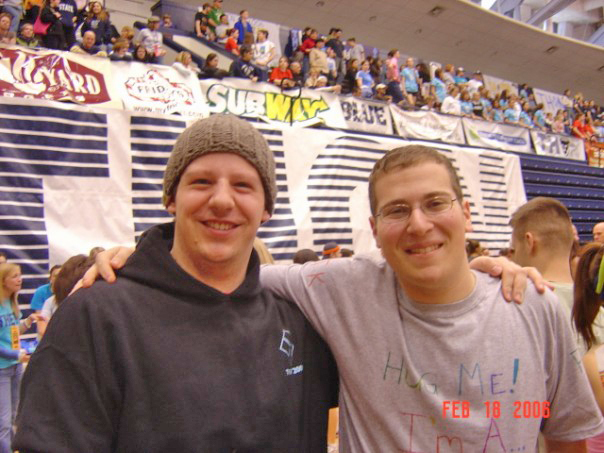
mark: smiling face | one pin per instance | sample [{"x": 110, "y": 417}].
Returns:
[
  {"x": 4, "y": 23},
  {"x": 427, "y": 253},
  {"x": 27, "y": 31},
  {"x": 96, "y": 8},
  {"x": 218, "y": 206}
]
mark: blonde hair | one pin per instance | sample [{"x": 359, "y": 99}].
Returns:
[
  {"x": 5, "y": 270},
  {"x": 263, "y": 253},
  {"x": 181, "y": 56}
]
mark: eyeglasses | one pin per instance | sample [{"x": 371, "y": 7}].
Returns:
[{"x": 431, "y": 207}]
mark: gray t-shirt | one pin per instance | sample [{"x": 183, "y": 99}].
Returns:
[{"x": 400, "y": 362}]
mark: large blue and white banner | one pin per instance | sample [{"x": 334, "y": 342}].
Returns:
[
  {"x": 497, "y": 135},
  {"x": 552, "y": 102},
  {"x": 72, "y": 178},
  {"x": 428, "y": 125},
  {"x": 558, "y": 145},
  {"x": 365, "y": 115}
]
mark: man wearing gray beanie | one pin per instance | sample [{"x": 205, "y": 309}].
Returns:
[{"x": 186, "y": 352}]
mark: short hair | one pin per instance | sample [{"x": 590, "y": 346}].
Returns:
[
  {"x": 6, "y": 15},
  {"x": 305, "y": 255},
  {"x": 245, "y": 49},
  {"x": 72, "y": 270},
  {"x": 407, "y": 157},
  {"x": 320, "y": 40},
  {"x": 121, "y": 43},
  {"x": 263, "y": 31},
  {"x": 26, "y": 24},
  {"x": 129, "y": 30},
  {"x": 347, "y": 253},
  {"x": 547, "y": 218},
  {"x": 352, "y": 39}
]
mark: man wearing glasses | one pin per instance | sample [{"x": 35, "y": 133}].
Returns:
[{"x": 429, "y": 356}]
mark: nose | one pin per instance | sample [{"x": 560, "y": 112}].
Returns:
[
  {"x": 418, "y": 223},
  {"x": 222, "y": 200}
]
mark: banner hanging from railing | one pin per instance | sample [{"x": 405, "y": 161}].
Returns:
[
  {"x": 428, "y": 126},
  {"x": 552, "y": 102},
  {"x": 497, "y": 135},
  {"x": 558, "y": 145},
  {"x": 366, "y": 115}
]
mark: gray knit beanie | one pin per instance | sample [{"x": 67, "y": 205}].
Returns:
[{"x": 222, "y": 134}]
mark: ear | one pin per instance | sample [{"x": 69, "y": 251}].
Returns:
[
  {"x": 373, "y": 223},
  {"x": 265, "y": 216},
  {"x": 465, "y": 207},
  {"x": 531, "y": 242},
  {"x": 171, "y": 207}
]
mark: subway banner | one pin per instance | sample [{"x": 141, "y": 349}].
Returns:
[
  {"x": 428, "y": 125},
  {"x": 265, "y": 101},
  {"x": 558, "y": 145},
  {"x": 77, "y": 177},
  {"x": 497, "y": 135}
]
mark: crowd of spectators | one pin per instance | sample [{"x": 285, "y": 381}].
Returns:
[{"x": 323, "y": 62}]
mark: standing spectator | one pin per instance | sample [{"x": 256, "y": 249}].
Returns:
[
  {"x": 411, "y": 80},
  {"x": 334, "y": 42},
  {"x": 332, "y": 67},
  {"x": 152, "y": 40},
  {"x": 210, "y": 69},
  {"x": 393, "y": 76},
  {"x": 6, "y": 35},
  {"x": 282, "y": 75},
  {"x": 349, "y": 82},
  {"x": 14, "y": 9},
  {"x": 423, "y": 75},
  {"x": 356, "y": 51},
  {"x": 475, "y": 83},
  {"x": 140, "y": 54},
  {"x": 45, "y": 291},
  {"x": 365, "y": 81},
  {"x": 88, "y": 46},
  {"x": 243, "y": 67},
  {"x": 307, "y": 45},
  {"x": 264, "y": 51},
  {"x": 567, "y": 101},
  {"x": 318, "y": 57},
  {"x": 467, "y": 107},
  {"x": 201, "y": 25},
  {"x": 449, "y": 75},
  {"x": 98, "y": 21},
  {"x": 231, "y": 42},
  {"x": 460, "y": 77},
  {"x": 377, "y": 71},
  {"x": 539, "y": 118},
  {"x": 496, "y": 112},
  {"x": 68, "y": 10},
  {"x": 221, "y": 29},
  {"x": 524, "y": 118},
  {"x": 243, "y": 26},
  {"x": 214, "y": 15},
  {"x": 166, "y": 21},
  {"x": 54, "y": 37},
  {"x": 439, "y": 87},
  {"x": 120, "y": 51},
  {"x": 580, "y": 127},
  {"x": 511, "y": 115},
  {"x": 11, "y": 354},
  {"x": 478, "y": 108},
  {"x": 451, "y": 104},
  {"x": 27, "y": 38}
]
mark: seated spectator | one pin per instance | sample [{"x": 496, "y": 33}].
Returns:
[
  {"x": 202, "y": 27},
  {"x": 263, "y": 51},
  {"x": 511, "y": 115},
  {"x": 231, "y": 42},
  {"x": 166, "y": 21},
  {"x": 322, "y": 85},
  {"x": 332, "y": 66},
  {"x": 140, "y": 54},
  {"x": 222, "y": 28},
  {"x": 467, "y": 107},
  {"x": 331, "y": 250},
  {"x": 120, "y": 51},
  {"x": 478, "y": 109},
  {"x": 497, "y": 112},
  {"x": 26, "y": 37},
  {"x": 210, "y": 69},
  {"x": 365, "y": 81},
  {"x": 430, "y": 104},
  {"x": 475, "y": 82},
  {"x": 243, "y": 67},
  {"x": 127, "y": 33},
  {"x": 460, "y": 77},
  {"x": 45, "y": 291},
  {"x": 296, "y": 68},
  {"x": 347, "y": 253},
  {"x": 54, "y": 37},
  {"x": 439, "y": 88},
  {"x": 243, "y": 26},
  {"x": 72, "y": 270},
  {"x": 524, "y": 118},
  {"x": 183, "y": 63},
  {"x": 282, "y": 75},
  {"x": 539, "y": 118},
  {"x": 449, "y": 75},
  {"x": 88, "y": 46},
  {"x": 305, "y": 255},
  {"x": 451, "y": 104},
  {"x": 152, "y": 40},
  {"x": 313, "y": 77},
  {"x": 97, "y": 20},
  {"x": 380, "y": 93},
  {"x": 6, "y": 35}
]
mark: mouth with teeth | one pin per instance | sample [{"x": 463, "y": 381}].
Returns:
[
  {"x": 423, "y": 250},
  {"x": 220, "y": 225}
]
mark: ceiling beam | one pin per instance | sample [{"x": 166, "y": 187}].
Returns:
[
  {"x": 503, "y": 6},
  {"x": 544, "y": 13}
]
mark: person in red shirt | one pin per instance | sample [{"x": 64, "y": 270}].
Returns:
[
  {"x": 580, "y": 127},
  {"x": 282, "y": 75},
  {"x": 231, "y": 42}
]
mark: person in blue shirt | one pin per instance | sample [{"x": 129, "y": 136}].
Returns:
[
  {"x": 243, "y": 26},
  {"x": 410, "y": 76},
  {"x": 439, "y": 87},
  {"x": 69, "y": 11},
  {"x": 496, "y": 112},
  {"x": 467, "y": 107},
  {"x": 460, "y": 77},
  {"x": 539, "y": 117},
  {"x": 11, "y": 353},
  {"x": 511, "y": 115},
  {"x": 524, "y": 118},
  {"x": 45, "y": 291}
]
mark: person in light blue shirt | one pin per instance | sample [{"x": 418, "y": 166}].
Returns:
[
  {"x": 365, "y": 81},
  {"x": 539, "y": 118},
  {"x": 496, "y": 112},
  {"x": 524, "y": 118},
  {"x": 511, "y": 115},
  {"x": 439, "y": 87},
  {"x": 45, "y": 291},
  {"x": 409, "y": 74},
  {"x": 467, "y": 107}
]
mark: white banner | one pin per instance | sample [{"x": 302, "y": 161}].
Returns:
[
  {"x": 496, "y": 85},
  {"x": 552, "y": 102},
  {"x": 428, "y": 126},
  {"x": 558, "y": 145},
  {"x": 267, "y": 102},
  {"x": 497, "y": 135},
  {"x": 365, "y": 115},
  {"x": 159, "y": 89}
]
